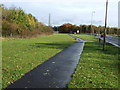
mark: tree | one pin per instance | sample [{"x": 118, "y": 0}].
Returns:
[
  {"x": 65, "y": 28},
  {"x": 17, "y": 22}
]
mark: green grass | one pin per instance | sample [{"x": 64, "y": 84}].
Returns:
[
  {"x": 86, "y": 37},
  {"x": 0, "y": 63},
  {"x": 97, "y": 68},
  {"x": 22, "y": 55}
]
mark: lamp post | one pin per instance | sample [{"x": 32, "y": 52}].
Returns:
[
  {"x": 49, "y": 22},
  {"x": 99, "y": 28},
  {"x": 92, "y": 21},
  {"x": 104, "y": 36},
  {"x": 57, "y": 29}
]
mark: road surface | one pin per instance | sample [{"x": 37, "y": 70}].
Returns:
[{"x": 113, "y": 40}]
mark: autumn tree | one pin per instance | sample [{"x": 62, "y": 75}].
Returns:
[
  {"x": 17, "y": 22},
  {"x": 65, "y": 28}
]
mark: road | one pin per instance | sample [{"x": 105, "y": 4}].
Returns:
[{"x": 113, "y": 40}]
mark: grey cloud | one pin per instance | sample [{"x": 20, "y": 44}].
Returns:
[{"x": 72, "y": 11}]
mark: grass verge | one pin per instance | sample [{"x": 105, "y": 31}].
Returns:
[
  {"x": 22, "y": 55},
  {"x": 86, "y": 37},
  {"x": 97, "y": 68}
]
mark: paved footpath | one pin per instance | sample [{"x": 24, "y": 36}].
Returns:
[{"x": 55, "y": 72}]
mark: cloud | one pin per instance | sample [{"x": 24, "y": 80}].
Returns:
[
  {"x": 58, "y": 1},
  {"x": 72, "y": 11}
]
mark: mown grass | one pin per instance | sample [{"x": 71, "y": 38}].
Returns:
[
  {"x": 97, "y": 68},
  {"x": 22, "y": 55},
  {"x": 86, "y": 37}
]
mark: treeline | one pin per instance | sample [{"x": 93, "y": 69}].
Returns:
[
  {"x": 15, "y": 22},
  {"x": 67, "y": 28}
]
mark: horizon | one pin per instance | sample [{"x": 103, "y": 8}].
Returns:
[{"x": 74, "y": 12}]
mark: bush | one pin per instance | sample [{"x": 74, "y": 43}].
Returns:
[{"x": 17, "y": 23}]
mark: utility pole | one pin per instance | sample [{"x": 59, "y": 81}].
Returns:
[
  {"x": 91, "y": 21},
  {"x": 104, "y": 36},
  {"x": 49, "y": 22}
]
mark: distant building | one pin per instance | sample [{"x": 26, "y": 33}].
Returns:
[{"x": 119, "y": 14}]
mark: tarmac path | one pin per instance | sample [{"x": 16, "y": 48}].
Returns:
[{"x": 55, "y": 72}]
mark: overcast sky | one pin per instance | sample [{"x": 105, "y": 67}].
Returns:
[{"x": 69, "y": 11}]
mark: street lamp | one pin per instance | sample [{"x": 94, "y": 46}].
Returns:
[
  {"x": 49, "y": 22},
  {"x": 104, "y": 36},
  {"x": 91, "y": 22},
  {"x": 57, "y": 29}
]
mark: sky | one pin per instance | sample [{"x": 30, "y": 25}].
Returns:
[{"x": 69, "y": 11}]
